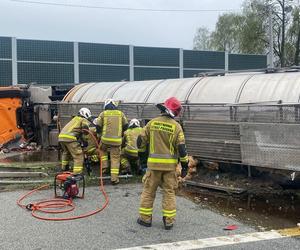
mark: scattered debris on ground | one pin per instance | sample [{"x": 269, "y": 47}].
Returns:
[{"x": 265, "y": 204}]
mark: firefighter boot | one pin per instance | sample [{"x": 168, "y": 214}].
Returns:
[
  {"x": 144, "y": 223},
  {"x": 168, "y": 226}
]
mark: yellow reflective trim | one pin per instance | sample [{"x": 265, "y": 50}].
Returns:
[
  {"x": 151, "y": 142},
  {"x": 184, "y": 159},
  {"x": 181, "y": 136},
  {"x": 169, "y": 211},
  {"x": 114, "y": 171},
  {"x": 67, "y": 136},
  {"x": 104, "y": 158},
  {"x": 66, "y": 162},
  {"x": 91, "y": 150},
  {"x": 77, "y": 120},
  {"x": 171, "y": 144},
  {"x": 145, "y": 213},
  {"x": 123, "y": 161},
  {"x": 146, "y": 209},
  {"x": 169, "y": 215},
  {"x": 112, "y": 113},
  {"x": 132, "y": 150},
  {"x": 105, "y": 139},
  {"x": 161, "y": 160}
]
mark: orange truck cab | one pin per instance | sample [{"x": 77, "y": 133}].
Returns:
[{"x": 11, "y": 102}]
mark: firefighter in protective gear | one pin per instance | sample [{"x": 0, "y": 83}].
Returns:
[
  {"x": 111, "y": 123},
  {"x": 89, "y": 145},
  {"x": 166, "y": 145},
  {"x": 69, "y": 139},
  {"x": 130, "y": 151}
]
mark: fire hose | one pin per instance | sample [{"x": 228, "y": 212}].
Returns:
[{"x": 59, "y": 205}]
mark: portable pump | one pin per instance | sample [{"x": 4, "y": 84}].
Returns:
[{"x": 71, "y": 185}]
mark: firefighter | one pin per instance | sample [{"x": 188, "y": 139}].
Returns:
[
  {"x": 111, "y": 123},
  {"x": 166, "y": 144},
  {"x": 90, "y": 147},
  {"x": 130, "y": 150},
  {"x": 70, "y": 140}
]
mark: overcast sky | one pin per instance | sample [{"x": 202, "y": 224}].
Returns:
[{"x": 164, "y": 29}]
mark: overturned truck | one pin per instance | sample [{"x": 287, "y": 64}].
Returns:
[{"x": 251, "y": 119}]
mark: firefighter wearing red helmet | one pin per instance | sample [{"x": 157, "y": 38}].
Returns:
[{"x": 165, "y": 139}]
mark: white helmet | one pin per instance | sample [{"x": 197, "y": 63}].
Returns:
[
  {"x": 85, "y": 112},
  {"x": 134, "y": 122},
  {"x": 110, "y": 101}
]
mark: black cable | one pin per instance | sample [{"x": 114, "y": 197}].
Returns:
[{"x": 123, "y": 9}]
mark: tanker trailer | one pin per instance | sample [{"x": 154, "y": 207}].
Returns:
[{"x": 251, "y": 119}]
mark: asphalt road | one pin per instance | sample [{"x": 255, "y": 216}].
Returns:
[{"x": 116, "y": 226}]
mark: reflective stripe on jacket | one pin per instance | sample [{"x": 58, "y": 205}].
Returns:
[
  {"x": 112, "y": 123},
  {"x": 73, "y": 129},
  {"x": 163, "y": 134}
]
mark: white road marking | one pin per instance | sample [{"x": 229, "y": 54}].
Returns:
[{"x": 214, "y": 242}]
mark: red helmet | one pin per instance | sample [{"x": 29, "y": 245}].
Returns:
[{"x": 173, "y": 105}]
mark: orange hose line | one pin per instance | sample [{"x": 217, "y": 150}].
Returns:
[{"x": 59, "y": 206}]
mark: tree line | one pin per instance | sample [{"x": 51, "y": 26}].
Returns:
[{"x": 248, "y": 32}]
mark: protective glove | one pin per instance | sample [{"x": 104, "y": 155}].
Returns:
[{"x": 184, "y": 169}]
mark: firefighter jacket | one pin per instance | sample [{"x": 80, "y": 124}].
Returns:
[
  {"x": 73, "y": 129},
  {"x": 90, "y": 147},
  {"x": 166, "y": 143},
  {"x": 130, "y": 141},
  {"x": 112, "y": 123}
]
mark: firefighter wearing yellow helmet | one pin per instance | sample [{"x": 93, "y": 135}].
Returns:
[
  {"x": 111, "y": 123},
  {"x": 166, "y": 142},
  {"x": 130, "y": 151},
  {"x": 69, "y": 139}
]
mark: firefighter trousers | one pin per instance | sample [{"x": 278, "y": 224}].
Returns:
[
  {"x": 153, "y": 179},
  {"x": 127, "y": 161},
  {"x": 72, "y": 150},
  {"x": 114, "y": 152}
]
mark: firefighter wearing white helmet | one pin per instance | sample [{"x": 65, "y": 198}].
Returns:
[
  {"x": 111, "y": 124},
  {"x": 130, "y": 151},
  {"x": 69, "y": 139}
]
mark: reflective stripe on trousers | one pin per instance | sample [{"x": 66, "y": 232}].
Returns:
[
  {"x": 65, "y": 136},
  {"x": 77, "y": 169},
  {"x": 64, "y": 163},
  {"x": 169, "y": 213},
  {"x": 114, "y": 171},
  {"x": 146, "y": 211}
]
